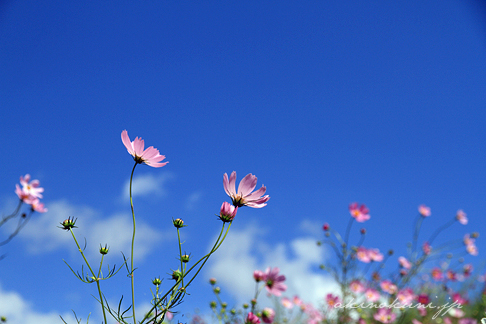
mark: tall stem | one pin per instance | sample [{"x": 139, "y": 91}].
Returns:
[{"x": 133, "y": 243}]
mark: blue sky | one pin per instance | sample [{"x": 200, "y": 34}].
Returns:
[{"x": 327, "y": 103}]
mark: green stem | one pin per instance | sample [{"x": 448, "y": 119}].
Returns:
[
  {"x": 95, "y": 278},
  {"x": 133, "y": 243}
]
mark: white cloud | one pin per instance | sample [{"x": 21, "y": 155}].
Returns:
[
  {"x": 17, "y": 310},
  {"x": 147, "y": 184},
  {"x": 42, "y": 233},
  {"x": 193, "y": 200},
  {"x": 246, "y": 250}
]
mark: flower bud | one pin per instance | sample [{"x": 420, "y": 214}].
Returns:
[
  {"x": 213, "y": 304},
  {"x": 245, "y": 305},
  {"x": 325, "y": 227},
  {"x": 3, "y": 319},
  {"x": 327, "y": 234},
  {"x": 217, "y": 290},
  {"x": 253, "y": 302},
  {"x": 227, "y": 212},
  {"x": 362, "y": 231},
  {"x": 224, "y": 304},
  {"x": 104, "y": 250},
  {"x": 178, "y": 223},
  {"x": 390, "y": 252},
  {"x": 233, "y": 311},
  {"x": 68, "y": 224},
  {"x": 157, "y": 281},
  {"x": 185, "y": 258},
  {"x": 212, "y": 281},
  {"x": 176, "y": 275},
  {"x": 474, "y": 234}
]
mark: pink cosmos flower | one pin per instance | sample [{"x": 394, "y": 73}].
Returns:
[
  {"x": 29, "y": 191},
  {"x": 468, "y": 321},
  {"x": 297, "y": 301},
  {"x": 461, "y": 217},
  {"x": 385, "y": 315},
  {"x": 244, "y": 196},
  {"x": 274, "y": 282},
  {"x": 363, "y": 255},
  {"x": 404, "y": 262},
  {"x": 437, "y": 274},
  {"x": 332, "y": 300},
  {"x": 406, "y": 296},
  {"x": 468, "y": 268},
  {"x": 37, "y": 206},
  {"x": 252, "y": 319},
  {"x": 287, "y": 303},
  {"x": 372, "y": 295},
  {"x": 424, "y": 210},
  {"x": 258, "y": 275},
  {"x": 268, "y": 315},
  {"x": 356, "y": 286},
  {"x": 457, "y": 297},
  {"x": 149, "y": 156},
  {"x": 388, "y": 287},
  {"x": 426, "y": 248},
  {"x": 361, "y": 213},
  {"x": 375, "y": 255},
  {"x": 227, "y": 212}
]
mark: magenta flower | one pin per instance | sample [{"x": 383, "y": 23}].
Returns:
[
  {"x": 268, "y": 315},
  {"x": 149, "y": 156},
  {"x": 361, "y": 213},
  {"x": 244, "y": 195},
  {"x": 424, "y": 210},
  {"x": 258, "y": 275},
  {"x": 252, "y": 319},
  {"x": 227, "y": 212},
  {"x": 332, "y": 300},
  {"x": 274, "y": 282}
]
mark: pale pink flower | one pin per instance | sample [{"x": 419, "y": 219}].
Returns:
[
  {"x": 297, "y": 301},
  {"x": 244, "y": 196},
  {"x": 405, "y": 296},
  {"x": 29, "y": 190},
  {"x": 332, "y": 300},
  {"x": 385, "y": 315},
  {"x": 447, "y": 320},
  {"x": 287, "y": 303},
  {"x": 372, "y": 295},
  {"x": 268, "y": 315},
  {"x": 472, "y": 249},
  {"x": 461, "y": 217},
  {"x": 456, "y": 312},
  {"x": 149, "y": 156},
  {"x": 361, "y": 213},
  {"x": 424, "y": 210},
  {"x": 363, "y": 255},
  {"x": 426, "y": 248},
  {"x": 404, "y": 262},
  {"x": 274, "y": 282},
  {"x": 388, "y": 287},
  {"x": 357, "y": 286},
  {"x": 414, "y": 321},
  {"x": 37, "y": 206},
  {"x": 468, "y": 240},
  {"x": 227, "y": 212},
  {"x": 375, "y": 255},
  {"x": 252, "y": 319}
]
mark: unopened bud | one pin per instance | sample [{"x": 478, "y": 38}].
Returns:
[
  {"x": 213, "y": 304},
  {"x": 363, "y": 231},
  {"x": 68, "y": 223},
  {"x": 104, "y": 250},
  {"x": 212, "y": 281},
  {"x": 157, "y": 281},
  {"x": 217, "y": 290},
  {"x": 176, "y": 275},
  {"x": 253, "y": 302},
  {"x": 178, "y": 223},
  {"x": 185, "y": 258},
  {"x": 325, "y": 227},
  {"x": 474, "y": 234}
]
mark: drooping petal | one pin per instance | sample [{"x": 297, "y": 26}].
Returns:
[{"x": 126, "y": 142}]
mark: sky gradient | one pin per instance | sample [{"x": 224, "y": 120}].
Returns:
[{"x": 378, "y": 102}]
